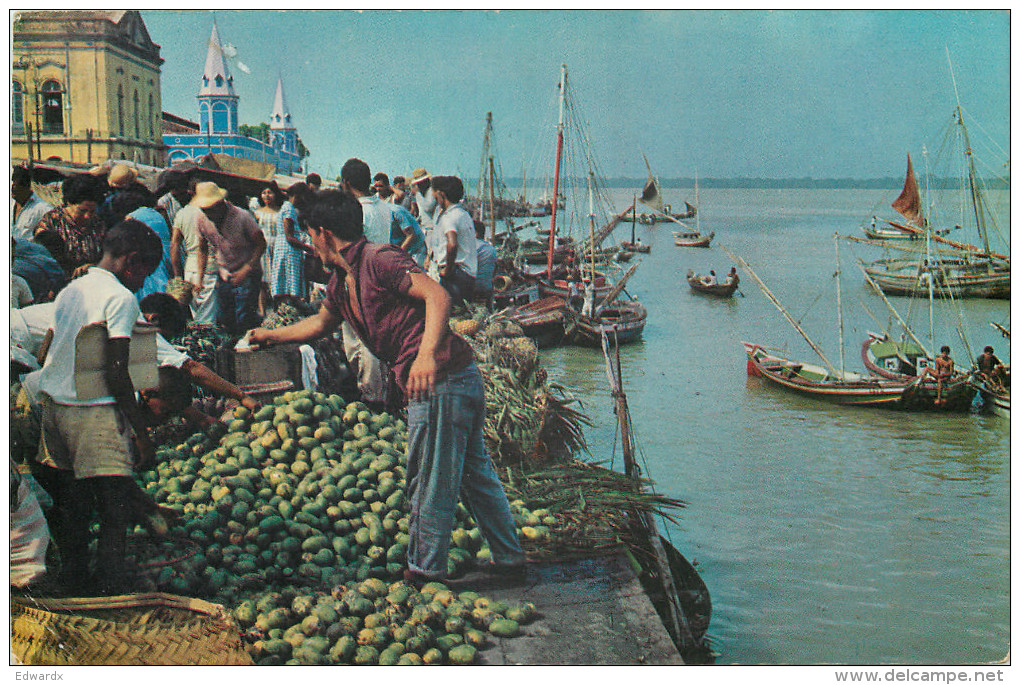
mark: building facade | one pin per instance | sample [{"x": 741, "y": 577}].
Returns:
[
  {"x": 85, "y": 88},
  {"x": 218, "y": 122}
]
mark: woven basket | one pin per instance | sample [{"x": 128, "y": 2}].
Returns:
[
  {"x": 181, "y": 290},
  {"x": 153, "y": 629}
]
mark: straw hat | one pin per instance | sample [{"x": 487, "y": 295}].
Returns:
[
  {"x": 207, "y": 194},
  {"x": 121, "y": 176},
  {"x": 419, "y": 175}
]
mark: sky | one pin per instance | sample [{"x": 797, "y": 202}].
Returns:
[{"x": 737, "y": 93}]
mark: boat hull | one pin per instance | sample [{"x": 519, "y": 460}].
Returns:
[
  {"x": 880, "y": 358},
  {"x": 960, "y": 280},
  {"x": 624, "y": 322},
  {"x": 692, "y": 240},
  {"x": 717, "y": 290},
  {"x": 813, "y": 381}
]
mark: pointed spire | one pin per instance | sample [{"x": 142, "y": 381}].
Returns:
[
  {"x": 280, "y": 116},
  {"x": 216, "y": 78}
]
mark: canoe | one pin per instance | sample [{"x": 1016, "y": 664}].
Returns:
[
  {"x": 692, "y": 239},
  {"x": 905, "y": 362},
  {"x": 847, "y": 388},
  {"x": 623, "y": 321},
  {"x": 717, "y": 289}
]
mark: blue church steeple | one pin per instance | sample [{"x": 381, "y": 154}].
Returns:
[{"x": 217, "y": 102}]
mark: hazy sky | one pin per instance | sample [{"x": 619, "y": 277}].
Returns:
[{"x": 727, "y": 93}]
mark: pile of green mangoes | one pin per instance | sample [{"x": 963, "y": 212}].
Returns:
[{"x": 306, "y": 494}]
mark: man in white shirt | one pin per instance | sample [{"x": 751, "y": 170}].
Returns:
[
  {"x": 27, "y": 208},
  {"x": 186, "y": 235},
  {"x": 424, "y": 199},
  {"x": 453, "y": 244},
  {"x": 88, "y": 446}
]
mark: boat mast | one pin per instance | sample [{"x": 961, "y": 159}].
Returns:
[
  {"x": 772, "y": 298},
  {"x": 892, "y": 309},
  {"x": 633, "y": 220},
  {"x": 975, "y": 194},
  {"x": 932, "y": 264},
  {"x": 839, "y": 306},
  {"x": 591, "y": 221},
  {"x": 556, "y": 171},
  {"x": 697, "y": 203},
  {"x": 492, "y": 199}
]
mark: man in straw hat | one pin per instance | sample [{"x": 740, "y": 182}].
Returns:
[
  {"x": 238, "y": 244},
  {"x": 424, "y": 204},
  {"x": 403, "y": 318}
]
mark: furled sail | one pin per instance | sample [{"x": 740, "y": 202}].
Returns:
[
  {"x": 691, "y": 209},
  {"x": 909, "y": 202}
]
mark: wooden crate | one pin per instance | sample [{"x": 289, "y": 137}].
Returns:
[{"x": 263, "y": 366}]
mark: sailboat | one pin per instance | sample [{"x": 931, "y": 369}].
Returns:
[
  {"x": 949, "y": 268},
  {"x": 693, "y": 238},
  {"x": 577, "y": 256},
  {"x": 651, "y": 196},
  {"x": 820, "y": 381}
]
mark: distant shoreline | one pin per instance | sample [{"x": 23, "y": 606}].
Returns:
[{"x": 887, "y": 183}]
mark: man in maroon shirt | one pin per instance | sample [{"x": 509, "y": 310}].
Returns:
[{"x": 402, "y": 316}]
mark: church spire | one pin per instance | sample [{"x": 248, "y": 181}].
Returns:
[
  {"x": 280, "y": 116},
  {"x": 216, "y": 78}
]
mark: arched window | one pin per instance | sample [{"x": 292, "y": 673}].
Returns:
[
  {"x": 152, "y": 119},
  {"x": 52, "y": 107},
  {"x": 120, "y": 110},
  {"x": 203, "y": 117},
  {"x": 233, "y": 117},
  {"x": 220, "y": 118},
  {"x": 17, "y": 106},
  {"x": 138, "y": 125}
]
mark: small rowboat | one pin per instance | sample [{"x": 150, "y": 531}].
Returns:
[
  {"x": 692, "y": 239},
  {"x": 716, "y": 289},
  {"x": 844, "y": 388}
]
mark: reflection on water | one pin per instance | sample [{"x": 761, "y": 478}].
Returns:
[{"x": 825, "y": 534}]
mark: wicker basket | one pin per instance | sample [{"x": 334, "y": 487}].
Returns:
[
  {"x": 181, "y": 290},
  {"x": 153, "y": 629}
]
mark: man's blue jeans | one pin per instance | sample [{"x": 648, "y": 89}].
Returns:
[
  {"x": 446, "y": 460},
  {"x": 239, "y": 303}
]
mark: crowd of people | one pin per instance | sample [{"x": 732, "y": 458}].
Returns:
[{"x": 387, "y": 261}]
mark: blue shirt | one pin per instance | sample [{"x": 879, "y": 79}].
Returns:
[
  {"x": 36, "y": 265},
  {"x": 403, "y": 219},
  {"x": 486, "y": 266},
  {"x": 157, "y": 280}
]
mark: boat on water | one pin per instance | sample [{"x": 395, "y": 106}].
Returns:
[
  {"x": 891, "y": 230},
  {"x": 993, "y": 400},
  {"x": 636, "y": 246},
  {"x": 544, "y": 320},
  {"x": 622, "y": 320},
  {"x": 813, "y": 380},
  {"x": 969, "y": 271},
  {"x": 698, "y": 285},
  {"x": 692, "y": 239},
  {"x": 908, "y": 361}
]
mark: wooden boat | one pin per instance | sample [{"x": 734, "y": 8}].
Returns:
[
  {"x": 543, "y": 320},
  {"x": 514, "y": 289},
  {"x": 908, "y": 361},
  {"x": 623, "y": 255},
  {"x": 692, "y": 239},
  {"x": 816, "y": 381},
  {"x": 716, "y": 289},
  {"x": 956, "y": 278},
  {"x": 993, "y": 400},
  {"x": 892, "y": 230},
  {"x": 622, "y": 320},
  {"x": 978, "y": 272},
  {"x": 560, "y": 287},
  {"x": 635, "y": 246}
]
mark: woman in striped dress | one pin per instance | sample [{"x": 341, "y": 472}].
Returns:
[
  {"x": 290, "y": 246},
  {"x": 269, "y": 216}
]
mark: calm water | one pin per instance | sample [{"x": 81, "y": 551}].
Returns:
[{"x": 825, "y": 535}]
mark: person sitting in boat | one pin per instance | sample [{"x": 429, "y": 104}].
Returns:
[
  {"x": 588, "y": 308},
  {"x": 991, "y": 368},
  {"x": 944, "y": 367},
  {"x": 732, "y": 278},
  {"x": 710, "y": 279}
]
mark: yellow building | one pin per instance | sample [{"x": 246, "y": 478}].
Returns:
[{"x": 85, "y": 88}]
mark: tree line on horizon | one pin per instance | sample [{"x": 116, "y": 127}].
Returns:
[{"x": 881, "y": 183}]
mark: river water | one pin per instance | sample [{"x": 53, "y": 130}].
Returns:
[{"x": 825, "y": 534}]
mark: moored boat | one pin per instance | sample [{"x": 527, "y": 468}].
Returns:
[
  {"x": 621, "y": 320},
  {"x": 907, "y": 361},
  {"x": 950, "y": 278},
  {"x": 844, "y": 388},
  {"x": 543, "y": 320},
  {"x": 637, "y": 246},
  {"x": 994, "y": 400}
]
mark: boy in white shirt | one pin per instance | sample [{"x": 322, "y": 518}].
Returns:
[{"x": 91, "y": 445}]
